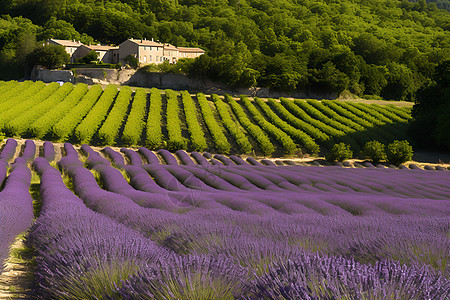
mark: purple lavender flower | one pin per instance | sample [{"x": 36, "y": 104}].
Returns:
[
  {"x": 168, "y": 157},
  {"x": 16, "y": 208},
  {"x": 184, "y": 157},
  {"x": 149, "y": 155},
  {"x": 48, "y": 151},
  {"x": 134, "y": 157},
  {"x": 29, "y": 151},
  {"x": 8, "y": 150}
]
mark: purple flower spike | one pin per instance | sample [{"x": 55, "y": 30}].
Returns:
[
  {"x": 29, "y": 151},
  {"x": 253, "y": 161},
  {"x": 201, "y": 160},
  {"x": 16, "y": 206},
  {"x": 9, "y": 150},
  {"x": 48, "y": 151},
  {"x": 237, "y": 160},
  {"x": 224, "y": 160},
  {"x": 149, "y": 155},
  {"x": 133, "y": 156},
  {"x": 184, "y": 158},
  {"x": 93, "y": 157},
  {"x": 168, "y": 157},
  {"x": 115, "y": 157}
]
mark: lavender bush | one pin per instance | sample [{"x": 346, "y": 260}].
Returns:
[
  {"x": 48, "y": 151},
  {"x": 8, "y": 150},
  {"x": 16, "y": 205}
]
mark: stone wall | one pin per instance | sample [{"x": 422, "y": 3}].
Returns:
[
  {"x": 164, "y": 81},
  {"x": 52, "y": 75}
]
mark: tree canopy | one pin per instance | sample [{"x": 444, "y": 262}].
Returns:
[{"x": 385, "y": 48}]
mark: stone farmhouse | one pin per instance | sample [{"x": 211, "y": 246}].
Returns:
[
  {"x": 70, "y": 46},
  {"x": 107, "y": 54},
  {"x": 145, "y": 51}
]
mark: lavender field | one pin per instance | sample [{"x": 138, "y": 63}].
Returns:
[{"x": 141, "y": 224}]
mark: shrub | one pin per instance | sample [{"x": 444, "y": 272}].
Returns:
[
  {"x": 339, "y": 152},
  {"x": 375, "y": 151},
  {"x": 399, "y": 152}
]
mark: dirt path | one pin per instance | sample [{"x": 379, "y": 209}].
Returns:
[{"x": 16, "y": 280}]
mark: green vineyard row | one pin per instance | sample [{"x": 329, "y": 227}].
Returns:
[{"x": 174, "y": 120}]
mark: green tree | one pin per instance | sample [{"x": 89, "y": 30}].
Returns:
[
  {"x": 399, "y": 152},
  {"x": 49, "y": 56},
  {"x": 91, "y": 57},
  {"x": 339, "y": 152},
  {"x": 431, "y": 111},
  {"x": 375, "y": 151}
]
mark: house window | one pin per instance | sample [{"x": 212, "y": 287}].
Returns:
[
  {"x": 156, "y": 58},
  {"x": 150, "y": 58},
  {"x": 145, "y": 58}
]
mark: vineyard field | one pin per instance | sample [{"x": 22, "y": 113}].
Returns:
[{"x": 119, "y": 116}]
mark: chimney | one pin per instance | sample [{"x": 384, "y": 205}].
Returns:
[{"x": 152, "y": 39}]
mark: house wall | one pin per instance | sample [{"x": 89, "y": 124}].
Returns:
[
  {"x": 171, "y": 56},
  {"x": 80, "y": 52},
  {"x": 150, "y": 55},
  {"x": 127, "y": 48},
  {"x": 69, "y": 50},
  {"x": 115, "y": 56},
  {"x": 188, "y": 54}
]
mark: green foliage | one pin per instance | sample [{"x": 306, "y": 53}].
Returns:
[
  {"x": 176, "y": 140},
  {"x": 197, "y": 136},
  {"x": 430, "y": 127},
  {"x": 91, "y": 58},
  {"x": 339, "y": 152},
  {"x": 49, "y": 56},
  {"x": 10, "y": 117},
  {"x": 43, "y": 124},
  {"x": 301, "y": 137},
  {"x": 272, "y": 130},
  {"x": 182, "y": 66},
  {"x": 254, "y": 130},
  {"x": 374, "y": 150},
  {"x": 399, "y": 152},
  {"x": 314, "y": 132},
  {"x": 17, "y": 41},
  {"x": 34, "y": 108},
  {"x": 131, "y": 61},
  {"x": 22, "y": 123},
  {"x": 214, "y": 128},
  {"x": 87, "y": 128},
  {"x": 233, "y": 129},
  {"x": 109, "y": 131},
  {"x": 387, "y": 48},
  {"x": 63, "y": 129},
  {"x": 135, "y": 121},
  {"x": 154, "y": 135}
]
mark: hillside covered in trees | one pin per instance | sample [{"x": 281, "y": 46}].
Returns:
[{"x": 369, "y": 47}]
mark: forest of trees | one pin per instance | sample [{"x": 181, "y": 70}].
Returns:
[{"x": 385, "y": 48}]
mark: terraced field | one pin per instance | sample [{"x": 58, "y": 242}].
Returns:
[
  {"x": 141, "y": 224},
  {"x": 174, "y": 120}
]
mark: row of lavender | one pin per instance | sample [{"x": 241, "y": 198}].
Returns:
[
  {"x": 218, "y": 252},
  {"x": 174, "y": 238}
]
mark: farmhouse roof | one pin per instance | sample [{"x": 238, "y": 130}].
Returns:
[
  {"x": 146, "y": 43},
  {"x": 191, "y": 50},
  {"x": 101, "y": 47},
  {"x": 170, "y": 47},
  {"x": 66, "y": 43}
]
